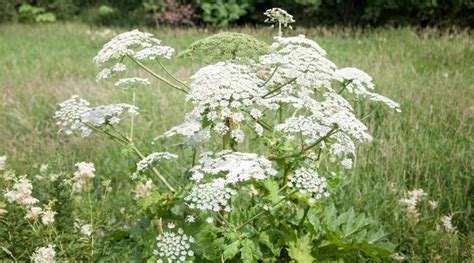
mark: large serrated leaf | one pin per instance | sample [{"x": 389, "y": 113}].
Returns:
[{"x": 300, "y": 250}]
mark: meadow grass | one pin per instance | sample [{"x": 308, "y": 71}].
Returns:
[{"x": 429, "y": 145}]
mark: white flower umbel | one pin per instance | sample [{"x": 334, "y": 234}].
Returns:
[
  {"x": 84, "y": 173},
  {"x": 174, "y": 247},
  {"x": 44, "y": 255},
  {"x": 235, "y": 166},
  {"x": 300, "y": 60},
  {"x": 132, "y": 82},
  {"x": 309, "y": 183},
  {"x": 75, "y": 114},
  {"x": 135, "y": 43},
  {"x": 280, "y": 17},
  {"x": 212, "y": 196},
  {"x": 21, "y": 193},
  {"x": 150, "y": 159},
  {"x": 359, "y": 83},
  {"x": 226, "y": 94}
]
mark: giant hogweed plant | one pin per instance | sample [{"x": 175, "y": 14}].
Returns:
[{"x": 275, "y": 203}]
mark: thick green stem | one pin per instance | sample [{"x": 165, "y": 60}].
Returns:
[
  {"x": 267, "y": 210},
  {"x": 172, "y": 76},
  {"x": 156, "y": 75},
  {"x": 331, "y": 132}
]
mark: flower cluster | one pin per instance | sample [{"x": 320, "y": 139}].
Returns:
[
  {"x": 135, "y": 44},
  {"x": 150, "y": 159},
  {"x": 236, "y": 166},
  {"x": 212, "y": 196},
  {"x": 44, "y": 255},
  {"x": 75, "y": 114},
  {"x": 359, "y": 83},
  {"x": 21, "y": 193},
  {"x": 175, "y": 247},
  {"x": 3, "y": 160},
  {"x": 143, "y": 189},
  {"x": 308, "y": 182},
  {"x": 411, "y": 200},
  {"x": 132, "y": 82},
  {"x": 447, "y": 224},
  {"x": 278, "y": 15},
  {"x": 85, "y": 171},
  {"x": 226, "y": 94}
]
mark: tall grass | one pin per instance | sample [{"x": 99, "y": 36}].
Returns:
[{"x": 429, "y": 145}]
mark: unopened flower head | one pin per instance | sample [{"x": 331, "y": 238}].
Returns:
[
  {"x": 21, "y": 192},
  {"x": 308, "y": 182},
  {"x": 174, "y": 247},
  {"x": 212, "y": 196},
  {"x": 44, "y": 255},
  {"x": 234, "y": 166}
]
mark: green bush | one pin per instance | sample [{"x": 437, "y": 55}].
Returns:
[
  {"x": 29, "y": 13},
  {"x": 7, "y": 11},
  {"x": 223, "y": 12}
]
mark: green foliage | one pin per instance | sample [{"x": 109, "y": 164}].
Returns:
[
  {"x": 222, "y": 13},
  {"x": 29, "y": 13},
  {"x": 7, "y": 11},
  {"x": 348, "y": 235},
  {"x": 226, "y": 46}
]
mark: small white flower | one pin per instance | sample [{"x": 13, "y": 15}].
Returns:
[
  {"x": 85, "y": 171},
  {"x": 132, "y": 82},
  {"x": 171, "y": 225},
  {"x": 209, "y": 220},
  {"x": 33, "y": 213},
  {"x": 174, "y": 247},
  {"x": 190, "y": 219},
  {"x": 308, "y": 182},
  {"x": 21, "y": 192},
  {"x": 3, "y": 160},
  {"x": 47, "y": 216},
  {"x": 447, "y": 224},
  {"x": 44, "y": 255},
  {"x": 144, "y": 189},
  {"x": 150, "y": 159},
  {"x": 212, "y": 196}
]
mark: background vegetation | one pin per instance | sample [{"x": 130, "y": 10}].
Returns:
[
  {"x": 428, "y": 146},
  {"x": 230, "y": 12}
]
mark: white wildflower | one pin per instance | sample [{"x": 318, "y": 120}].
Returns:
[
  {"x": 132, "y": 82},
  {"x": 130, "y": 44},
  {"x": 433, "y": 204},
  {"x": 85, "y": 171},
  {"x": 47, "y": 216},
  {"x": 33, "y": 212},
  {"x": 359, "y": 83},
  {"x": 221, "y": 93},
  {"x": 150, "y": 159},
  {"x": 190, "y": 219},
  {"x": 154, "y": 52},
  {"x": 44, "y": 255},
  {"x": 236, "y": 166},
  {"x": 43, "y": 168},
  {"x": 171, "y": 225},
  {"x": 21, "y": 192},
  {"x": 85, "y": 229},
  {"x": 144, "y": 189},
  {"x": 447, "y": 224},
  {"x": 212, "y": 196},
  {"x": 278, "y": 15},
  {"x": 209, "y": 220},
  {"x": 412, "y": 198},
  {"x": 308, "y": 182},
  {"x": 3, "y": 161},
  {"x": 75, "y": 114},
  {"x": 174, "y": 247}
]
